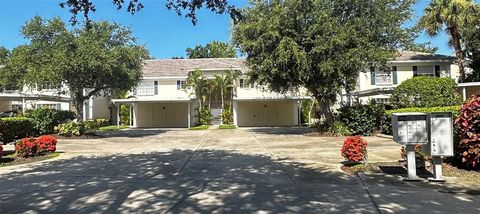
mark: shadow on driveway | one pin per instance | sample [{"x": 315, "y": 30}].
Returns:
[{"x": 205, "y": 181}]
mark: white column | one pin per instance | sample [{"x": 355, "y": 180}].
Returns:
[
  {"x": 235, "y": 119},
  {"x": 118, "y": 114},
  {"x": 295, "y": 112},
  {"x": 90, "y": 108},
  {"x": 130, "y": 114},
  {"x": 134, "y": 116},
  {"x": 464, "y": 93},
  {"x": 23, "y": 105},
  {"x": 189, "y": 115}
]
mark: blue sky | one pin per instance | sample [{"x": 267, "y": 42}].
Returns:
[{"x": 163, "y": 32}]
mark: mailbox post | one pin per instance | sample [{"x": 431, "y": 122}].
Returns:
[
  {"x": 441, "y": 141},
  {"x": 410, "y": 129}
]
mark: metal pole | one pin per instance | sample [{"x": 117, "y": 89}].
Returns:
[{"x": 437, "y": 169}]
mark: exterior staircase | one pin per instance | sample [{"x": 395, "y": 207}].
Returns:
[{"x": 216, "y": 111}]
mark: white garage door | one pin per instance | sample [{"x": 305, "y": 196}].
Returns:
[
  {"x": 266, "y": 113},
  {"x": 162, "y": 115}
]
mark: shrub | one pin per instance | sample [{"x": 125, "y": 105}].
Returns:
[
  {"x": 2, "y": 129},
  {"x": 468, "y": 124},
  {"x": 45, "y": 120},
  {"x": 419, "y": 154},
  {"x": 354, "y": 149},
  {"x": 1, "y": 151},
  {"x": 205, "y": 116},
  {"x": 361, "y": 119},
  {"x": 71, "y": 129},
  {"x": 224, "y": 126},
  {"x": 46, "y": 144},
  {"x": 30, "y": 147},
  {"x": 338, "y": 129},
  {"x": 227, "y": 116},
  {"x": 426, "y": 92},
  {"x": 16, "y": 128},
  {"x": 26, "y": 147}
]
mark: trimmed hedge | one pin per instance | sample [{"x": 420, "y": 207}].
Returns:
[
  {"x": 17, "y": 128},
  {"x": 421, "y": 92},
  {"x": 453, "y": 109}
]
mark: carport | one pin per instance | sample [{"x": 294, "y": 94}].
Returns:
[
  {"x": 267, "y": 112},
  {"x": 6, "y": 99},
  {"x": 168, "y": 113}
]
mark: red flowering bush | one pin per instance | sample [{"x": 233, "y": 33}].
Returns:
[
  {"x": 29, "y": 147},
  {"x": 26, "y": 147},
  {"x": 468, "y": 124},
  {"x": 46, "y": 143},
  {"x": 354, "y": 149},
  {"x": 1, "y": 151}
]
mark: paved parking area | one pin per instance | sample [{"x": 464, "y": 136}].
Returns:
[{"x": 218, "y": 171}]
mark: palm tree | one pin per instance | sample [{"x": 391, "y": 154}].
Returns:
[
  {"x": 199, "y": 83},
  {"x": 233, "y": 76},
  {"x": 455, "y": 15},
  {"x": 224, "y": 82},
  {"x": 211, "y": 87}
]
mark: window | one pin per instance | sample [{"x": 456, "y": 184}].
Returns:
[
  {"x": 146, "y": 88},
  {"x": 244, "y": 84},
  {"x": 383, "y": 77},
  {"x": 381, "y": 100},
  {"x": 48, "y": 106},
  {"x": 423, "y": 71},
  {"x": 181, "y": 84}
]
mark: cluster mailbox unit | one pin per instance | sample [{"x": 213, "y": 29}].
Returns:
[{"x": 434, "y": 131}]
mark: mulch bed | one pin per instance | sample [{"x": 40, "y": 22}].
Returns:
[
  {"x": 467, "y": 177},
  {"x": 9, "y": 160}
]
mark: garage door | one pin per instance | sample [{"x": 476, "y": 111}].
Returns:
[
  {"x": 162, "y": 115},
  {"x": 272, "y": 113}
]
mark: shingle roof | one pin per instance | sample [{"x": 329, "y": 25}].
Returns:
[
  {"x": 181, "y": 67},
  {"x": 419, "y": 56}
]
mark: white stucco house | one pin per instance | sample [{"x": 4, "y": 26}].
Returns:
[
  {"x": 378, "y": 84},
  {"x": 163, "y": 98},
  {"x": 43, "y": 96}
]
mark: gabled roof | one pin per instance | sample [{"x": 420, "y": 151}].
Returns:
[
  {"x": 181, "y": 67},
  {"x": 420, "y": 56}
]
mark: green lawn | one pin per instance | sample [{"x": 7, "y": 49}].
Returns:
[
  {"x": 112, "y": 128},
  {"x": 202, "y": 127},
  {"x": 224, "y": 126}
]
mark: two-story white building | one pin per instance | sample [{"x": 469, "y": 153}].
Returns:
[
  {"x": 42, "y": 96},
  {"x": 378, "y": 84},
  {"x": 163, "y": 98}
]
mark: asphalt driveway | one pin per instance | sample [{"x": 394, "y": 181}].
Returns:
[{"x": 217, "y": 171}]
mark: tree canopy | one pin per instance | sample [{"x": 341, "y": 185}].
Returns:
[
  {"x": 472, "y": 49},
  {"x": 321, "y": 45},
  {"x": 454, "y": 16},
  {"x": 4, "y": 54},
  {"x": 213, "y": 49},
  {"x": 187, "y": 8},
  {"x": 101, "y": 59}
]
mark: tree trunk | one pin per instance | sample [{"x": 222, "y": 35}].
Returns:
[
  {"x": 458, "y": 51},
  {"x": 79, "y": 109},
  {"x": 310, "y": 112},
  {"x": 323, "y": 107}
]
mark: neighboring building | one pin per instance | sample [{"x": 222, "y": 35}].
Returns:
[
  {"x": 163, "y": 98},
  {"x": 45, "y": 96},
  {"x": 377, "y": 84}
]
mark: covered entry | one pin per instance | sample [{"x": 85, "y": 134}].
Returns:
[
  {"x": 267, "y": 113},
  {"x": 158, "y": 113},
  {"x": 162, "y": 115}
]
